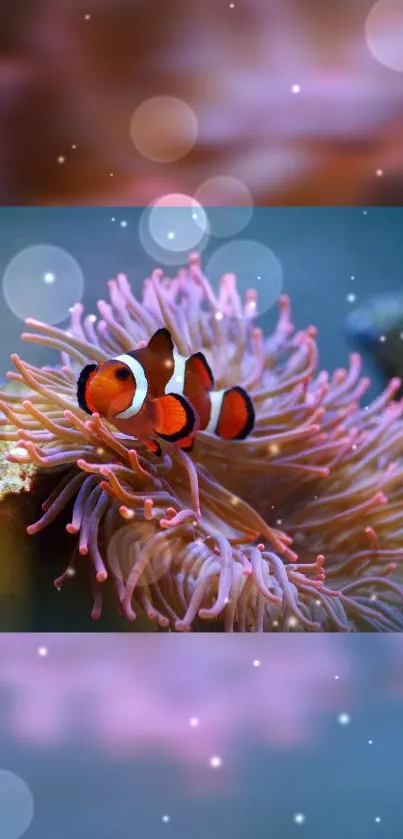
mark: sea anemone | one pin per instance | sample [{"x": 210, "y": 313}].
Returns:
[{"x": 202, "y": 537}]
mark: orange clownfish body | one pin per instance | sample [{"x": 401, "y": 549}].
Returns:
[{"x": 154, "y": 392}]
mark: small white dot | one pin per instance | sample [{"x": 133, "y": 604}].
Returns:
[
  {"x": 111, "y": 174},
  {"x": 194, "y": 722},
  {"x": 370, "y": 742},
  {"x": 296, "y": 88},
  {"x": 113, "y": 218},
  {"x": 352, "y": 277},
  {"x": 219, "y": 315},
  {"x": 292, "y": 622},
  {"x": 42, "y": 651},
  {"x": 61, "y": 159},
  {"x": 166, "y": 818},
  {"x": 215, "y": 762},
  {"x": 87, "y": 17},
  {"x": 123, "y": 223},
  {"x": 74, "y": 146},
  {"x": 256, "y": 662},
  {"x": 49, "y": 278},
  {"x": 382, "y": 338},
  {"x": 344, "y": 719},
  {"x": 232, "y": 5},
  {"x": 299, "y": 818},
  {"x": 379, "y": 173},
  {"x": 373, "y": 597},
  {"x": 171, "y": 235},
  {"x": 377, "y": 819},
  {"x": 194, "y": 216},
  {"x": 337, "y": 677},
  {"x": 351, "y": 298},
  {"x": 365, "y": 212}
]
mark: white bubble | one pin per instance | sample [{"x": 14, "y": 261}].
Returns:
[
  {"x": 42, "y": 282},
  {"x": 296, "y": 88},
  {"x": 256, "y": 662},
  {"x": 231, "y": 204},
  {"x": 215, "y": 762},
  {"x": 174, "y": 219},
  {"x": 194, "y": 722},
  {"x": 177, "y": 222},
  {"x": 351, "y": 298},
  {"x": 344, "y": 719},
  {"x": 42, "y": 651},
  {"x": 255, "y": 266},
  {"x": 165, "y": 818},
  {"x": 299, "y": 818},
  {"x": 123, "y": 223},
  {"x": 163, "y": 129},
  {"x": 384, "y": 33},
  {"x": 377, "y": 819},
  {"x": 16, "y": 805}
]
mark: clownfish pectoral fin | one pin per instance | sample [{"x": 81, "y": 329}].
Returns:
[
  {"x": 84, "y": 378},
  {"x": 161, "y": 343},
  {"x": 152, "y": 447},
  {"x": 237, "y": 415},
  {"x": 177, "y": 419},
  {"x": 187, "y": 443},
  {"x": 197, "y": 366}
]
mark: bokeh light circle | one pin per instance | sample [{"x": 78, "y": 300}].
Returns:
[
  {"x": 16, "y": 805},
  {"x": 231, "y": 204},
  {"x": 161, "y": 255},
  {"x": 163, "y": 129},
  {"x": 384, "y": 33},
  {"x": 172, "y": 227},
  {"x": 255, "y": 267},
  {"x": 43, "y": 282}
]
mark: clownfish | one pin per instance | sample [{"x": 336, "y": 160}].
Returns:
[{"x": 155, "y": 392}]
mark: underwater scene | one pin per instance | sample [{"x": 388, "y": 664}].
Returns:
[
  {"x": 114, "y": 736},
  {"x": 199, "y": 427}
]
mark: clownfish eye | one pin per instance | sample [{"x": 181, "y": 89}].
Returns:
[{"x": 122, "y": 374}]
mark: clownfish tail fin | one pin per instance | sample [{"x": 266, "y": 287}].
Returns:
[{"x": 237, "y": 415}]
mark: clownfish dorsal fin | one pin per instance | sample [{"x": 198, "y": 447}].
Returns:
[
  {"x": 161, "y": 343},
  {"x": 197, "y": 366},
  {"x": 85, "y": 376}
]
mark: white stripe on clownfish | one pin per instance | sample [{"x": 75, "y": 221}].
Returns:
[
  {"x": 216, "y": 398},
  {"x": 141, "y": 386},
  {"x": 176, "y": 383}
]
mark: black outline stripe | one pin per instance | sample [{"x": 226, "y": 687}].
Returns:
[{"x": 82, "y": 386}]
